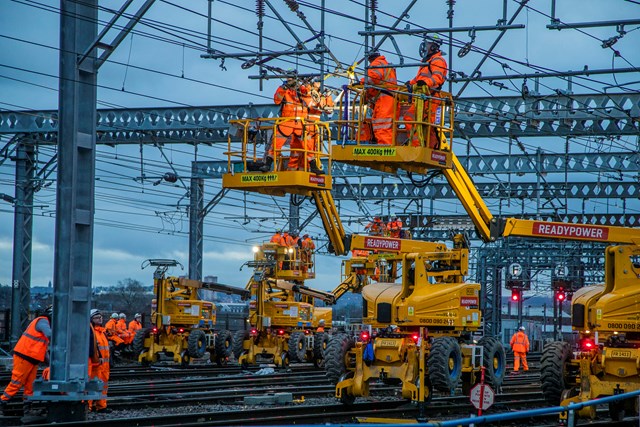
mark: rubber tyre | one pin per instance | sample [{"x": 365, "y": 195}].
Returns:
[
  {"x": 297, "y": 347},
  {"x": 335, "y": 362},
  {"x": 197, "y": 343},
  {"x": 285, "y": 359},
  {"x": 346, "y": 399},
  {"x": 553, "y": 370},
  {"x": 238, "y": 341},
  {"x": 320, "y": 344},
  {"x": 445, "y": 364},
  {"x": 138, "y": 341},
  {"x": 494, "y": 359},
  {"x": 223, "y": 347}
]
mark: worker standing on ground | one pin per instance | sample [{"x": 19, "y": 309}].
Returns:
[
  {"x": 98, "y": 359},
  {"x": 135, "y": 324},
  {"x": 287, "y": 96},
  {"x": 520, "y": 346},
  {"x": 431, "y": 75},
  {"x": 321, "y": 324},
  {"x": 380, "y": 98},
  {"x": 29, "y": 352}
]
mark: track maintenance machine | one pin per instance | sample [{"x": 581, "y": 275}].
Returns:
[
  {"x": 605, "y": 362},
  {"x": 183, "y": 324},
  {"x": 282, "y": 313},
  {"x": 409, "y": 283}
]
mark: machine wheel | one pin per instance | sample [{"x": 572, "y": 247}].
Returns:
[
  {"x": 138, "y": 341},
  {"x": 555, "y": 357},
  {"x": 297, "y": 346},
  {"x": 346, "y": 398},
  {"x": 223, "y": 347},
  {"x": 197, "y": 343},
  {"x": 238, "y": 341},
  {"x": 335, "y": 362},
  {"x": 428, "y": 392},
  {"x": 494, "y": 360},
  {"x": 320, "y": 344},
  {"x": 284, "y": 360},
  {"x": 185, "y": 359},
  {"x": 445, "y": 364},
  {"x": 244, "y": 364}
]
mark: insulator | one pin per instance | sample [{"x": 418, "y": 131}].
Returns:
[
  {"x": 374, "y": 5},
  {"x": 260, "y": 8},
  {"x": 293, "y": 5}
]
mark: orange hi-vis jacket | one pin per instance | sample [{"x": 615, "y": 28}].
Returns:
[
  {"x": 33, "y": 343},
  {"x": 291, "y": 106},
  {"x": 134, "y": 325},
  {"x": 520, "y": 342},
  {"x": 308, "y": 245},
  {"x": 381, "y": 77},
  {"x": 277, "y": 238},
  {"x": 111, "y": 327},
  {"x": 433, "y": 72},
  {"x": 395, "y": 227},
  {"x": 101, "y": 345},
  {"x": 121, "y": 325}
]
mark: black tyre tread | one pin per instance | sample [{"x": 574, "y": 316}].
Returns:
[
  {"x": 492, "y": 348},
  {"x": 297, "y": 347},
  {"x": 438, "y": 362},
  {"x": 238, "y": 341},
  {"x": 320, "y": 344},
  {"x": 195, "y": 349},
  {"x": 334, "y": 362},
  {"x": 138, "y": 341},
  {"x": 552, "y": 370},
  {"x": 224, "y": 345}
]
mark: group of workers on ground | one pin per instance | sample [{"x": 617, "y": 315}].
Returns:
[
  {"x": 303, "y": 249},
  {"x": 301, "y": 106},
  {"x": 32, "y": 349}
]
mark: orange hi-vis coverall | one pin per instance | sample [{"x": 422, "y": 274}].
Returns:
[
  {"x": 289, "y": 130},
  {"x": 134, "y": 326},
  {"x": 433, "y": 73},
  {"x": 99, "y": 363},
  {"x": 376, "y": 228},
  {"x": 30, "y": 350},
  {"x": 383, "y": 111},
  {"x": 111, "y": 330},
  {"x": 278, "y": 239},
  {"x": 307, "y": 251},
  {"x": 520, "y": 346},
  {"x": 123, "y": 331},
  {"x": 395, "y": 228}
]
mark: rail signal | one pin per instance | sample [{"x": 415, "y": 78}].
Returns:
[
  {"x": 516, "y": 295},
  {"x": 560, "y": 295}
]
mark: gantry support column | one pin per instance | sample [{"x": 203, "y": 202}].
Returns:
[
  {"x": 22, "y": 233},
  {"x": 73, "y": 256},
  {"x": 196, "y": 225}
]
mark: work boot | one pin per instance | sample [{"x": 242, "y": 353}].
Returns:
[
  {"x": 313, "y": 168},
  {"x": 267, "y": 166}
]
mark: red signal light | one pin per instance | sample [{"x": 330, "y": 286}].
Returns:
[
  {"x": 364, "y": 336},
  {"x": 560, "y": 295},
  {"x": 307, "y": 332},
  {"x": 181, "y": 330},
  {"x": 415, "y": 337},
  {"x": 154, "y": 330},
  {"x": 254, "y": 332},
  {"x": 280, "y": 331},
  {"x": 587, "y": 344},
  {"x": 516, "y": 295}
]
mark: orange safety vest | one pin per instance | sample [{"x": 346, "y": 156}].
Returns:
[
  {"x": 277, "y": 238},
  {"x": 382, "y": 77},
  {"x": 134, "y": 325},
  {"x": 121, "y": 325},
  {"x": 520, "y": 342},
  {"x": 433, "y": 72},
  {"x": 291, "y": 106},
  {"x": 102, "y": 344},
  {"x": 111, "y": 327},
  {"x": 395, "y": 227},
  {"x": 33, "y": 343},
  {"x": 308, "y": 245}
]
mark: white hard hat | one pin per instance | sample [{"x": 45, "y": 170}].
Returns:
[
  {"x": 521, "y": 328},
  {"x": 114, "y": 316},
  {"x": 322, "y": 321},
  {"x": 123, "y": 316},
  {"x": 94, "y": 312},
  {"x": 137, "y": 315}
]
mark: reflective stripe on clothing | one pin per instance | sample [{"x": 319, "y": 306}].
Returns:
[
  {"x": 33, "y": 343},
  {"x": 23, "y": 375}
]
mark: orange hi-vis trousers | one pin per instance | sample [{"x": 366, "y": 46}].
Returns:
[
  {"x": 517, "y": 356},
  {"x": 23, "y": 375}
]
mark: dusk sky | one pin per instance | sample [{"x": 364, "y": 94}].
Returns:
[{"x": 159, "y": 65}]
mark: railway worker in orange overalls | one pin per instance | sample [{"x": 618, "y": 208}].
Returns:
[
  {"x": 135, "y": 324},
  {"x": 376, "y": 227},
  {"x": 395, "y": 227},
  {"x": 315, "y": 103},
  {"x": 98, "y": 359},
  {"x": 123, "y": 329},
  {"x": 277, "y": 238},
  {"x": 432, "y": 75},
  {"x": 111, "y": 330},
  {"x": 306, "y": 255},
  {"x": 380, "y": 98},
  {"x": 29, "y": 352},
  {"x": 520, "y": 346},
  {"x": 287, "y": 96}
]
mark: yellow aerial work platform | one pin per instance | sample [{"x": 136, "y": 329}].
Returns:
[
  {"x": 419, "y": 144},
  {"x": 248, "y": 169}
]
